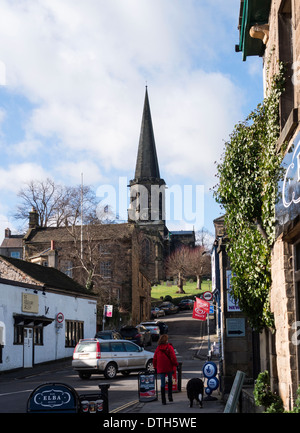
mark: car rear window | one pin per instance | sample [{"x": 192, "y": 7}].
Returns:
[{"x": 86, "y": 346}]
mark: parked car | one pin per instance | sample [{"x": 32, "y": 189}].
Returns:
[
  {"x": 157, "y": 312},
  {"x": 138, "y": 334},
  {"x": 169, "y": 307},
  {"x": 153, "y": 328},
  {"x": 94, "y": 356},
  {"x": 108, "y": 335},
  {"x": 186, "y": 304}
]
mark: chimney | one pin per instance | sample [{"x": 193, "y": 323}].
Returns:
[
  {"x": 52, "y": 256},
  {"x": 7, "y": 233},
  {"x": 33, "y": 219}
]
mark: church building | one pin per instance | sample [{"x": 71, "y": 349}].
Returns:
[{"x": 127, "y": 258}]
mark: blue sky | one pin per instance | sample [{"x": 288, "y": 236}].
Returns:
[{"x": 72, "y": 86}]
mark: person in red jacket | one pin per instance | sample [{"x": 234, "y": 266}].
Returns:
[{"x": 164, "y": 361}]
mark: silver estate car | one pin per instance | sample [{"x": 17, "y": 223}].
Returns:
[{"x": 94, "y": 356}]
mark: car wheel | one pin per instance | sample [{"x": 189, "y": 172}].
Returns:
[
  {"x": 149, "y": 367},
  {"x": 84, "y": 375},
  {"x": 110, "y": 371}
]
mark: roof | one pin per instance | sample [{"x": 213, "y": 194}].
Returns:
[
  {"x": 95, "y": 232},
  {"x": 14, "y": 241},
  {"x": 182, "y": 232},
  {"x": 49, "y": 277},
  {"x": 147, "y": 162}
]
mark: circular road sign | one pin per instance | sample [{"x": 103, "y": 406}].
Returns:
[
  {"x": 60, "y": 317},
  {"x": 209, "y": 369},
  {"x": 213, "y": 383},
  {"x": 207, "y": 296}
]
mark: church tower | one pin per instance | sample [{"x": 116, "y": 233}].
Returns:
[{"x": 147, "y": 189}]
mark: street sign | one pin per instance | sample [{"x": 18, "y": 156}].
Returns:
[
  {"x": 235, "y": 327},
  {"x": 108, "y": 310},
  {"x": 213, "y": 383},
  {"x": 209, "y": 369},
  {"x": 207, "y": 296},
  {"x": 60, "y": 317}
]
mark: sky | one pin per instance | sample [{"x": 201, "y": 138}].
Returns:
[{"x": 72, "y": 85}]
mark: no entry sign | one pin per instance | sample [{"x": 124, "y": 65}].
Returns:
[{"x": 207, "y": 296}]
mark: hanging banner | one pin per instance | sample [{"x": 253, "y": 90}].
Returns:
[{"x": 201, "y": 308}]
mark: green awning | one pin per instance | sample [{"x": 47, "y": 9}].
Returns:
[{"x": 252, "y": 12}]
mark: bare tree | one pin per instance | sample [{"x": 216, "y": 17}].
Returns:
[
  {"x": 204, "y": 238},
  {"x": 57, "y": 205},
  {"x": 199, "y": 264},
  {"x": 177, "y": 265}
]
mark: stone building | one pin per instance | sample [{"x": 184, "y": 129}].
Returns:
[
  {"x": 271, "y": 29},
  {"x": 12, "y": 245},
  {"x": 238, "y": 342}
]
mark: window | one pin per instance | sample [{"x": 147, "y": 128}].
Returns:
[
  {"x": 18, "y": 334},
  {"x": 131, "y": 347},
  {"x": 145, "y": 251},
  {"x": 67, "y": 267},
  {"x": 38, "y": 336},
  {"x": 105, "y": 269},
  {"x": 15, "y": 254},
  {"x": 117, "y": 347},
  {"x": 73, "y": 332}
]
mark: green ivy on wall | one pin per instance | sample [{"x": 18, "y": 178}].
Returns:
[{"x": 248, "y": 175}]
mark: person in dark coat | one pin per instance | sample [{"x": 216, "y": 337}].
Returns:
[{"x": 164, "y": 361}]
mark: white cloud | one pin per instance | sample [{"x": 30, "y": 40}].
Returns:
[
  {"x": 84, "y": 64},
  {"x": 15, "y": 175}
]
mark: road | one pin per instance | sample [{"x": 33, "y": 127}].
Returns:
[{"x": 184, "y": 334}]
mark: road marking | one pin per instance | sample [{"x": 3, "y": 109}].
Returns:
[
  {"x": 125, "y": 406},
  {"x": 15, "y": 392}
]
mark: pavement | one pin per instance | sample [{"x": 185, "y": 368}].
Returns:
[{"x": 190, "y": 368}]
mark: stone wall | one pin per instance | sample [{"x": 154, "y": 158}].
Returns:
[{"x": 282, "y": 301}]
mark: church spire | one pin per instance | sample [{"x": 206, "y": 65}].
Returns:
[
  {"x": 147, "y": 163},
  {"x": 147, "y": 189}
]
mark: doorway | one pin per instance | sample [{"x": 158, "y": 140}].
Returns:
[{"x": 28, "y": 347}]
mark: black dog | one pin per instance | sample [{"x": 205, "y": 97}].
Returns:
[{"x": 194, "y": 390}]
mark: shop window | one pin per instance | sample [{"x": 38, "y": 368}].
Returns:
[{"x": 73, "y": 332}]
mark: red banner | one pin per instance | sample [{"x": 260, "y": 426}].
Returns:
[{"x": 201, "y": 308}]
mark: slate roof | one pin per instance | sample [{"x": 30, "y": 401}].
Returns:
[
  {"x": 50, "y": 277},
  {"x": 93, "y": 232}
]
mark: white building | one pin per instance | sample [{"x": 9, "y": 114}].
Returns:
[{"x": 43, "y": 314}]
